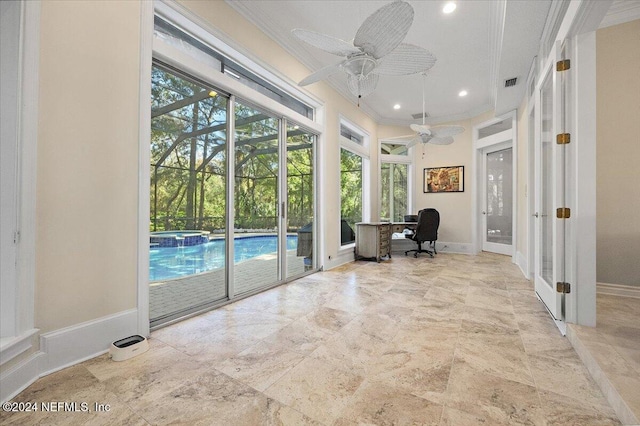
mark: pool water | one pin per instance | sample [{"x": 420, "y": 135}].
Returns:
[{"x": 167, "y": 263}]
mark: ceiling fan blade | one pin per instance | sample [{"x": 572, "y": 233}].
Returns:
[
  {"x": 440, "y": 140},
  {"x": 406, "y": 59},
  {"x": 321, "y": 74},
  {"x": 414, "y": 142},
  {"x": 325, "y": 42},
  {"x": 383, "y": 31},
  {"x": 420, "y": 128},
  {"x": 364, "y": 86},
  {"x": 443, "y": 131}
]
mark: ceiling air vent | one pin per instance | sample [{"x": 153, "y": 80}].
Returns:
[
  {"x": 419, "y": 115},
  {"x": 510, "y": 82}
]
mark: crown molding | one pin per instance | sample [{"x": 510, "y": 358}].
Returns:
[
  {"x": 621, "y": 12},
  {"x": 472, "y": 113},
  {"x": 496, "y": 36}
]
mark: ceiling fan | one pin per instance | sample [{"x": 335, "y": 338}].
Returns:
[
  {"x": 377, "y": 49},
  {"x": 437, "y": 135}
]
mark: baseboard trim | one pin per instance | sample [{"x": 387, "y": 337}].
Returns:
[
  {"x": 399, "y": 246},
  {"x": 17, "y": 345},
  {"x": 344, "y": 256},
  {"x": 71, "y": 345},
  {"x": 17, "y": 378},
  {"x": 618, "y": 290},
  {"x": 459, "y": 248},
  {"x": 521, "y": 261}
]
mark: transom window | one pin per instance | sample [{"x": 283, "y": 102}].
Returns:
[{"x": 199, "y": 50}]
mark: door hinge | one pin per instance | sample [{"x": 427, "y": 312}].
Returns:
[
  {"x": 563, "y": 65},
  {"x": 563, "y": 138},
  {"x": 563, "y": 213},
  {"x": 563, "y": 288}
]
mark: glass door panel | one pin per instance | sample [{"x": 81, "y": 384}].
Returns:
[
  {"x": 256, "y": 202},
  {"x": 187, "y": 196},
  {"x": 300, "y": 244},
  {"x": 545, "y": 266},
  {"x": 394, "y": 191},
  {"x": 498, "y": 167},
  {"x": 351, "y": 198}
]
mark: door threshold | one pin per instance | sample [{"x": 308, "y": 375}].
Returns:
[{"x": 562, "y": 326}]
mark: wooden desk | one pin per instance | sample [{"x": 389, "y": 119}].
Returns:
[
  {"x": 401, "y": 226},
  {"x": 373, "y": 239}
]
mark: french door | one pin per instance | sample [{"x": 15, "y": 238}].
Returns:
[
  {"x": 550, "y": 184},
  {"x": 497, "y": 210}
]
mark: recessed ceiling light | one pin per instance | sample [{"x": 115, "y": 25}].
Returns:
[
  {"x": 396, "y": 106},
  {"x": 449, "y": 7},
  {"x": 462, "y": 93}
]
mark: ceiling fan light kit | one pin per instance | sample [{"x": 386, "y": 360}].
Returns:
[
  {"x": 359, "y": 65},
  {"x": 377, "y": 49}
]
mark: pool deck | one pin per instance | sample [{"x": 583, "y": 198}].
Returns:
[{"x": 167, "y": 297}]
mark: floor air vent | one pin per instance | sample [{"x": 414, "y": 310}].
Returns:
[{"x": 510, "y": 82}]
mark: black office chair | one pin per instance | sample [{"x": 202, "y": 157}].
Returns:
[{"x": 426, "y": 231}]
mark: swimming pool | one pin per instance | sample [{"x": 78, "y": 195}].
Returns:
[{"x": 167, "y": 263}]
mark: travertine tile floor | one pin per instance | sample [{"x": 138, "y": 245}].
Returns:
[
  {"x": 611, "y": 352},
  {"x": 455, "y": 340}
]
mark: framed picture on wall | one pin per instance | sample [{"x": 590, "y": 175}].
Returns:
[{"x": 444, "y": 179}]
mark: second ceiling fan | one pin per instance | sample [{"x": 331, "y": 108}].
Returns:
[
  {"x": 437, "y": 135},
  {"x": 377, "y": 49}
]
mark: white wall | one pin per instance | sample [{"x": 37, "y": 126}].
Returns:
[
  {"x": 87, "y": 161},
  {"x": 618, "y": 154}
]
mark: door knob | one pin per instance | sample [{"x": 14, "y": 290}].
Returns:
[
  {"x": 536, "y": 215},
  {"x": 483, "y": 212}
]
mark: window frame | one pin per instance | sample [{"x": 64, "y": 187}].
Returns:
[
  {"x": 22, "y": 288},
  {"x": 398, "y": 159},
  {"x": 362, "y": 150}
]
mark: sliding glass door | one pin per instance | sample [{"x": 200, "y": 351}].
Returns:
[
  {"x": 300, "y": 190},
  {"x": 223, "y": 227},
  {"x": 188, "y": 195},
  {"x": 256, "y": 206}
]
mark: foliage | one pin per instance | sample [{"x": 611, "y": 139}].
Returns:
[
  {"x": 393, "y": 180},
  {"x": 350, "y": 187},
  {"x": 189, "y": 154}
]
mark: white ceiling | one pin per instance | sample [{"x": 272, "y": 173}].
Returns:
[{"x": 480, "y": 45}]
